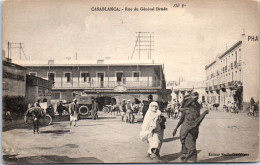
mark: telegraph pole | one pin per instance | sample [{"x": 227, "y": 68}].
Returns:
[
  {"x": 12, "y": 45},
  {"x": 144, "y": 44}
]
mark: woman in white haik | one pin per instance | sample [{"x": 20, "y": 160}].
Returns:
[{"x": 152, "y": 131}]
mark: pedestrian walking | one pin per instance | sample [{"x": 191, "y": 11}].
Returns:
[
  {"x": 94, "y": 109},
  {"x": 123, "y": 112},
  {"x": 140, "y": 107},
  {"x": 153, "y": 130},
  {"x": 60, "y": 109},
  {"x": 36, "y": 113},
  {"x": 73, "y": 111},
  {"x": 190, "y": 122},
  {"x": 176, "y": 112},
  {"x": 129, "y": 112},
  {"x": 169, "y": 110},
  {"x": 50, "y": 111},
  {"x": 252, "y": 106}
]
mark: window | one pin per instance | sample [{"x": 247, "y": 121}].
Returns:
[
  {"x": 136, "y": 76},
  {"x": 33, "y": 73},
  {"x": 51, "y": 76},
  {"x": 119, "y": 76},
  {"x": 84, "y": 76},
  {"x": 67, "y": 77},
  {"x": 55, "y": 96}
]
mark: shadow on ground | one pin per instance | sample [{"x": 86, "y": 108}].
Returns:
[
  {"x": 172, "y": 157},
  {"x": 20, "y": 124},
  {"x": 221, "y": 158},
  {"x": 49, "y": 159},
  {"x": 56, "y": 131},
  {"x": 170, "y": 139},
  {"x": 106, "y": 118}
]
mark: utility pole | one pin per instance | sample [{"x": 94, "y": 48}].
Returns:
[
  {"x": 8, "y": 49},
  {"x": 144, "y": 44},
  {"x": 20, "y": 51},
  {"x": 12, "y": 45}
]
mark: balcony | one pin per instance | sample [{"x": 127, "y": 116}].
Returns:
[
  {"x": 234, "y": 83},
  {"x": 106, "y": 84}
]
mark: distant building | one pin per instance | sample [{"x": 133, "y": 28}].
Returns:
[
  {"x": 186, "y": 87},
  {"x": 106, "y": 78},
  {"x": 233, "y": 76}
]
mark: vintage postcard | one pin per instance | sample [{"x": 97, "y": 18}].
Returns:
[{"x": 168, "y": 81}]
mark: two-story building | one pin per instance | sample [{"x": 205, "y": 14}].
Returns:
[
  {"x": 233, "y": 75},
  {"x": 105, "y": 78}
]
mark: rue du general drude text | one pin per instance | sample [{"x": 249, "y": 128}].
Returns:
[{"x": 129, "y": 9}]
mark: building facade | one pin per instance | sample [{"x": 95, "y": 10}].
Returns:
[
  {"x": 103, "y": 79},
  {"x": 186, "y": 87},
  {"x": 233, "y": 75},
  {"x": 14, "y": 79},
  {"x": 20, "y": 89},
  {"x": 38, "y": 89}
]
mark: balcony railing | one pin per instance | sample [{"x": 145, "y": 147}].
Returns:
[
  {"x": 234, "y": 83},
  {"x": 107, "y": 84}
]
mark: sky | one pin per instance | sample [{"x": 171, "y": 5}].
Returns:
[{"x": 185, "y": 39}]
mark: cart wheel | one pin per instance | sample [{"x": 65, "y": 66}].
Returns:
[
  {"x": 28, "y": 120},
  {"x": 105, "y": 109},
  {"x": 83, "y": 110},
  {"x": 45, "y": 120}
]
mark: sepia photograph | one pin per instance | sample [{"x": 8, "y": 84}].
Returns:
[{"x": 94, "y": 82}]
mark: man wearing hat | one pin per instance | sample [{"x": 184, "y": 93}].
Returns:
[{"x": 73, "y": 110}]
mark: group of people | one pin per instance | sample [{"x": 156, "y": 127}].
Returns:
[
  {"x": 154, "y": 125},
  {"x": 232, "y": 107},
  {"x": 37, "y": 112},
  {"x": 173, "y": 109},
  {"x": 127, "y": 111},
  {"x": 74, "y": 111}
]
